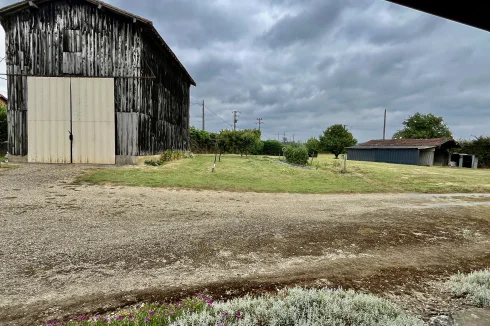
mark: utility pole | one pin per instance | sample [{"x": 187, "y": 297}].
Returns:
[
  {"x": 235, "y": 119},
  {"x": 203, "y": 115},
  {"x": 284, "y": 139},
  {"x": 384, "y": 128},
  {"x": 259, "y": 122},
  {"x": 293, "y": 138},
  {"x": 278, "y": 137}
]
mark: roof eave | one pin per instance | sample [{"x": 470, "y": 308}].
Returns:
[{"x": 8, "y": 10}]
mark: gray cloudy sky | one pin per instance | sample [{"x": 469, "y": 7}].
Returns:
[{"x": 303, "y": 65}]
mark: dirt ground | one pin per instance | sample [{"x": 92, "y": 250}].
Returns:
[{"x": 71, "y": 249}]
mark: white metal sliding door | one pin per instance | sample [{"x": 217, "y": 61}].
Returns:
[
  {"x": 48, "y": 120},
  {"x": 93, "y": 120},
  {"x": 83, "y": 107}
]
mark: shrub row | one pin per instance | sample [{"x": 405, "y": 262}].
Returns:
[{"x": 289, "y": 307}]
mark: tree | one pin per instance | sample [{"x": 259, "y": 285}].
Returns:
[
  {"x": 3, "y": 123},
  {"x": 423, "y": 126},
  {"x": 336, "y": 139},
  {"x": 313, "y": 146}
]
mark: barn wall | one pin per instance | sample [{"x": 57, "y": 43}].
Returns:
[
  {"x": 407, "y": 156},
  {"x": 427, "y": 157},
  {"x": 164, "y": 122},
  {"x": 74, "y": 38}
]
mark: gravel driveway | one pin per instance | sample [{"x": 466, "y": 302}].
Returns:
[{"x": 68, "y": 249}]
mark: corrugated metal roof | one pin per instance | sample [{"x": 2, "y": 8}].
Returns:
[
  {"x": 391, "y": 147},
  {"x": 24, "y": 4},
  {"x": 405, "y": 143}
]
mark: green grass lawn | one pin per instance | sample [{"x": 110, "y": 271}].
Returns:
[{"x": 265, "y": 174}]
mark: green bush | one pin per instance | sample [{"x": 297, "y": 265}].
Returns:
[
  {"x": 272, "y": 148},
  {"x": 169, "y": 156},
  {"x": 259, "y": 148},
  {"x": 297, "y": 154},
  {"x": 3, "y": 123},
  {"x": 475, "y": 287},
  {"x": 202, "y": 141},
  {"x": 289, "y": 307}
]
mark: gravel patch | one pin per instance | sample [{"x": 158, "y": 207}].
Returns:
[{"x": 68, "y": 248}]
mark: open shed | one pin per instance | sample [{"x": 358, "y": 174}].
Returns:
[
  {"x": 426, "y": 152},
  {"x": 90, "y": 83}
]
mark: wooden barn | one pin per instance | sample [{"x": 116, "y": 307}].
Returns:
[{"x": 90, "y": 83}]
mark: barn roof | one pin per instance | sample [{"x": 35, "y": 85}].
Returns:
[
  {"x": 469, "y": 12},
  {"x": 408, "y": 143},
  {"x": 11, "y": 9}
]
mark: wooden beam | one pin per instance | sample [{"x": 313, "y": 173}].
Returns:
[{"x": 32, "y": 4}]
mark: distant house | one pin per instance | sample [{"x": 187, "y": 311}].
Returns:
[
  {"x": 3, "y": 100},
  {"x": 428, "y": 152}
]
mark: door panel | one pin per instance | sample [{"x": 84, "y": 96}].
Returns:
[
  {"x": 93, "y": 120},
  {"x": 48, "y": 120}
]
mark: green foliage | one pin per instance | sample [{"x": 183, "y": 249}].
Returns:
[
  {"x": 153, "y": 162},
  {"x": 203, "y": 141},
  {"x": 423, "y": 126},
  {"x": 227, "y": 141},
  {"x": 171, "y": 155},
  {"x": 239, "y": 141},
  {"x": 259, "y": 148},
  {"x": 288, "y": 307},
  {"x": 475, "y": 287},
  {"x": 272, "y": 148},
  {"x": 480, "y": 146},
  {"x": 336, "y": 139},
  {"x": 148, "y": 315},
  {"x": 3, "y": 123},
  {"x": 313, "y": 146},
  {"x": 297, "y": 154}
]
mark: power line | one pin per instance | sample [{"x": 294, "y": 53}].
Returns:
[
  {"x": 218, "y": 116},
  {"x": 259, "y": 122}
]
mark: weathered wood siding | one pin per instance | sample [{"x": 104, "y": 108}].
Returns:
[
  {"x": 164, "y": 122},
  {"x": 64, "y": 38}
]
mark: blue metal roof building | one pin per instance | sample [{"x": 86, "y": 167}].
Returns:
[{"x": 427, "y": 152}]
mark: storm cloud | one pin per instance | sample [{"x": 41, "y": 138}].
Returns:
[{"x": 304, "y": 65}]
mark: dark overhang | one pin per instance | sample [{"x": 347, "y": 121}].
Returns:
[{"x": 469, "y": 12}]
